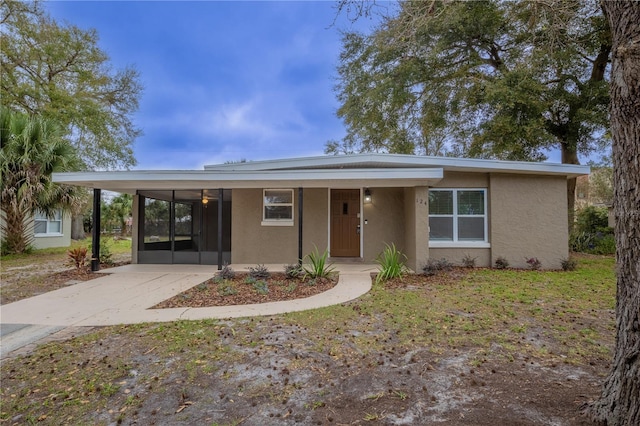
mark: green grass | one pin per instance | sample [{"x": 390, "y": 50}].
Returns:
[
  {"x": 485, "y": 308},
  {"x": 488, "y": 313},
  {"x": 52, "y": 254}
]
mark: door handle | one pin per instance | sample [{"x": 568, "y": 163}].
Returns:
[{"x": 358, "y": 229}]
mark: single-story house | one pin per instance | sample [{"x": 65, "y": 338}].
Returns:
[
  {"x": 46, "y": 232},
  {"x": 277, "y": 211}
]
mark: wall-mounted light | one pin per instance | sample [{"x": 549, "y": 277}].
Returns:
[
  {"x": 367, "y": 196},
  {"x": 205, "y": 200}
]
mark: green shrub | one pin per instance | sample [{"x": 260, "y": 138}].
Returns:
[
  {"x": 293, "y": 271},
  {"x": 468, "y": 261},
  {"x": 261, "y": 287},
  {"x": 227, "y": 273},
  {"x": 77, "y": 256},
  {"x": 592, "y": 219},
  {"x": 594, "y": 243},
  {"x": 501, "y": 263},
  {"x": 433, "y": 266},
  {"x": 227, "y": 288},
  {"x": 604, "y": 244},
  {"x": 534, "y": 263},
  {"x": 391, "y": 262},
  {"x": 259, "y": 272},
  {"x": 106, "y": 257},
  {"x": 317, "y": 266},
  {"x": 569, "y": 264}
]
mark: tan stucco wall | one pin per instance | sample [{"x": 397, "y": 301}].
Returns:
[
  {"x": 385, "y": 221},
  {"x": 463, "y": 180},
  {"x": 416, "y": 226},
  {"x": 455, "y": 255},
  {"x": 315, "y": 220},
  {"x": 528, "y": 219},
  {"x": 253, "y": 243},
  {"x": 410, "y": 227}
]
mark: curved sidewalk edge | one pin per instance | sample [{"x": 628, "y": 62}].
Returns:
[
  {"x": 350, "y": 286},
  {"x": 125, "y": 297}
]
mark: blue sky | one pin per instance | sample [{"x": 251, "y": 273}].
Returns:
[{"x": 223, "y": 80}]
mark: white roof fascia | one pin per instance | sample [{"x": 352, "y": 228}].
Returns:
[
  {"x": 130, "y": 181},
  {"x": 403, "y": 160}
]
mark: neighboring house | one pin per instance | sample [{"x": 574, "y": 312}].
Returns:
[
  {"x": 48, "y": 232},
  {"x": 595, "y": 189},
  {"x": 276, "y": 211}
]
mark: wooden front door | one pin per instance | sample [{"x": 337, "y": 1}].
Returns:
[{"x": 345, "y": 223}]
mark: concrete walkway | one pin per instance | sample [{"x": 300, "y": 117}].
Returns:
[{"x": 125, "y": 295}]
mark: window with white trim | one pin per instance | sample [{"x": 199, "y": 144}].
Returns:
[
  {"x": 44, "y": 225},
  {"x": 458, "y": 215},
  {"x": 277, "y": 207}
]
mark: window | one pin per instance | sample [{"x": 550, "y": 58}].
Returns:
[
  {"x": 44, "y": 225},
  {"x": 457, "y": 216},
  {"x": 277, "y": 207}
]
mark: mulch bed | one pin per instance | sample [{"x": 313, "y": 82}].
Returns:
[
  {"x": 242, "y": 290},
  {"x": 421, "y": 280}
]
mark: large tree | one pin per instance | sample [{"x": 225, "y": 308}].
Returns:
[
  {"x": 620, "y": 400},
  {"x": 60, "y": 72},
  {"x": 31, "y": 148},
  {"x": 117, "y": 211},
  {"x": 489, "y": 79}
]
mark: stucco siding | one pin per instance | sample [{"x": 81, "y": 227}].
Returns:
[
  {"x": 384, "y": 216},
  {"x": 463, "y": 180},
  {"x": 410, "y": 227},
  {"x": 528, "y": 219},
  {"x": 251, "y": 242},
  {"x": 50, "y": 241},
  {"x": 455, "y": 255},
  {"x": 315, "y": 220}
]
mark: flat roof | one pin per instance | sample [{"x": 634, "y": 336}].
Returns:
[
  {"x": 373, "y": 160},
  {"x": 333, "y": 171}
]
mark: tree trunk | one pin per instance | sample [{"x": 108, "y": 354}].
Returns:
[
  {"x": 15, "y": 238},
  {"x": 570, "y": 156},
  {"x": 619, "y": 403},
  {"x": 77, "y": 227}
]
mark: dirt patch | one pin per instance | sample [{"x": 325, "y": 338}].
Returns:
[
  {"x": 31, "y": 280},
  {"x": 244, "y": 290},
  {"x": 266, "y": 372}
]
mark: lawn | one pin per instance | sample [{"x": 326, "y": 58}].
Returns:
[{"x": 469, "y": 347}]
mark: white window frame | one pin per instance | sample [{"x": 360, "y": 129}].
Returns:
[
  {"x": 48, "y": 221},
  {"x": 455, "y": 243},
  {"x": 277, "y": 222}
]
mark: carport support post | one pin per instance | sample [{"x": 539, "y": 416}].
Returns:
[
  {"x": 300, "y": 226},
  {"x": 95, "y": 231}
]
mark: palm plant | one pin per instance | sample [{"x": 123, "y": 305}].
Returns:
[
  {"x": 317, "y": 266},
  {"x": 392, "y": 263},
  {"x": 32, "y": 149}
]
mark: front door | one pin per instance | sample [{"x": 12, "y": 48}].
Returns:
[{"x": 345, "y": 223}]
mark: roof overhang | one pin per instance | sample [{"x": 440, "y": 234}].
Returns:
[{"x": 131, "y": 181}]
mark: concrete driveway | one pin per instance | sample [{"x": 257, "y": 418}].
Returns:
[{"x": 125, "y": 295}]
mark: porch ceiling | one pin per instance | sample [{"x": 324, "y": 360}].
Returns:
[{"x": 130, "y": 181}]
